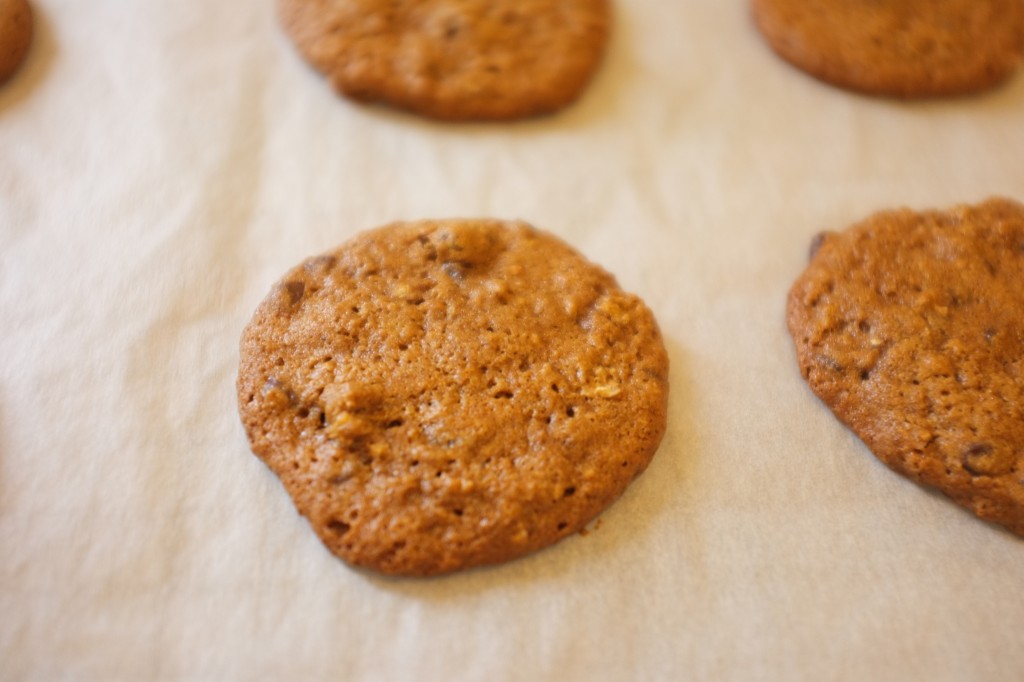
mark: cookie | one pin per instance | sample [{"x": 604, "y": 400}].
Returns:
[
  {"x": 910, "y": 327},
  {"x": 899, "y": 48},
  {"x": 439, "y": 395},
  {"x": 453, "y": 59},
  {"x": 15, "y": 35}
]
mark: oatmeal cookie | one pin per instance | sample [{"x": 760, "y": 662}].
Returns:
[
  {"x": 439, "y": 395},
  {"x": 910, "y": 327}
]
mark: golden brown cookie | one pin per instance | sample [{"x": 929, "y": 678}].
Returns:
[
  {"x": 15, "y": 35},
  {"x": 900, "y": 48},
  {"x": 444, "y": 394},
  {"x": 453, "y": 59},
  {"x": 910, "y": 327}
]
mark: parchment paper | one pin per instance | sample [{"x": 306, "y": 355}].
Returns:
[{"x": 163, "y": 163}]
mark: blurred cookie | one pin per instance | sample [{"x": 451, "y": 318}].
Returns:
[
  {"x": 15, "y": 35},
  {"x": 910, "y": 327},
  {"x": 900, "y": 48},
  {"x": 439, "y": 395},
  {"x": 453, "y": 59}
]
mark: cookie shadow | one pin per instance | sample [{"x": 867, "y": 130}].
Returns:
[
  {"x": 999, "y": 99},
  {"x": 645, "y": 509},
  {"x": 41, "y": 55},
  {"x": 912, "y": 491},
  {"x": 1007, "y": 95}
]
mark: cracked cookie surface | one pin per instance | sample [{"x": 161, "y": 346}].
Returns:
[
  {"x": 910, "y": 327},
  {"x": 899, "y": 48},
  {"x": 453, "y": 59},
  {"x": 438, "y": 395}
]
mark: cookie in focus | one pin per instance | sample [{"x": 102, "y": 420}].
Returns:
[
  {"x": 439, "y": 395},
  {"x": 910, "y": 327}
]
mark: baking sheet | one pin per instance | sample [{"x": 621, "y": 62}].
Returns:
[{"x": 161, "y": 164}]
